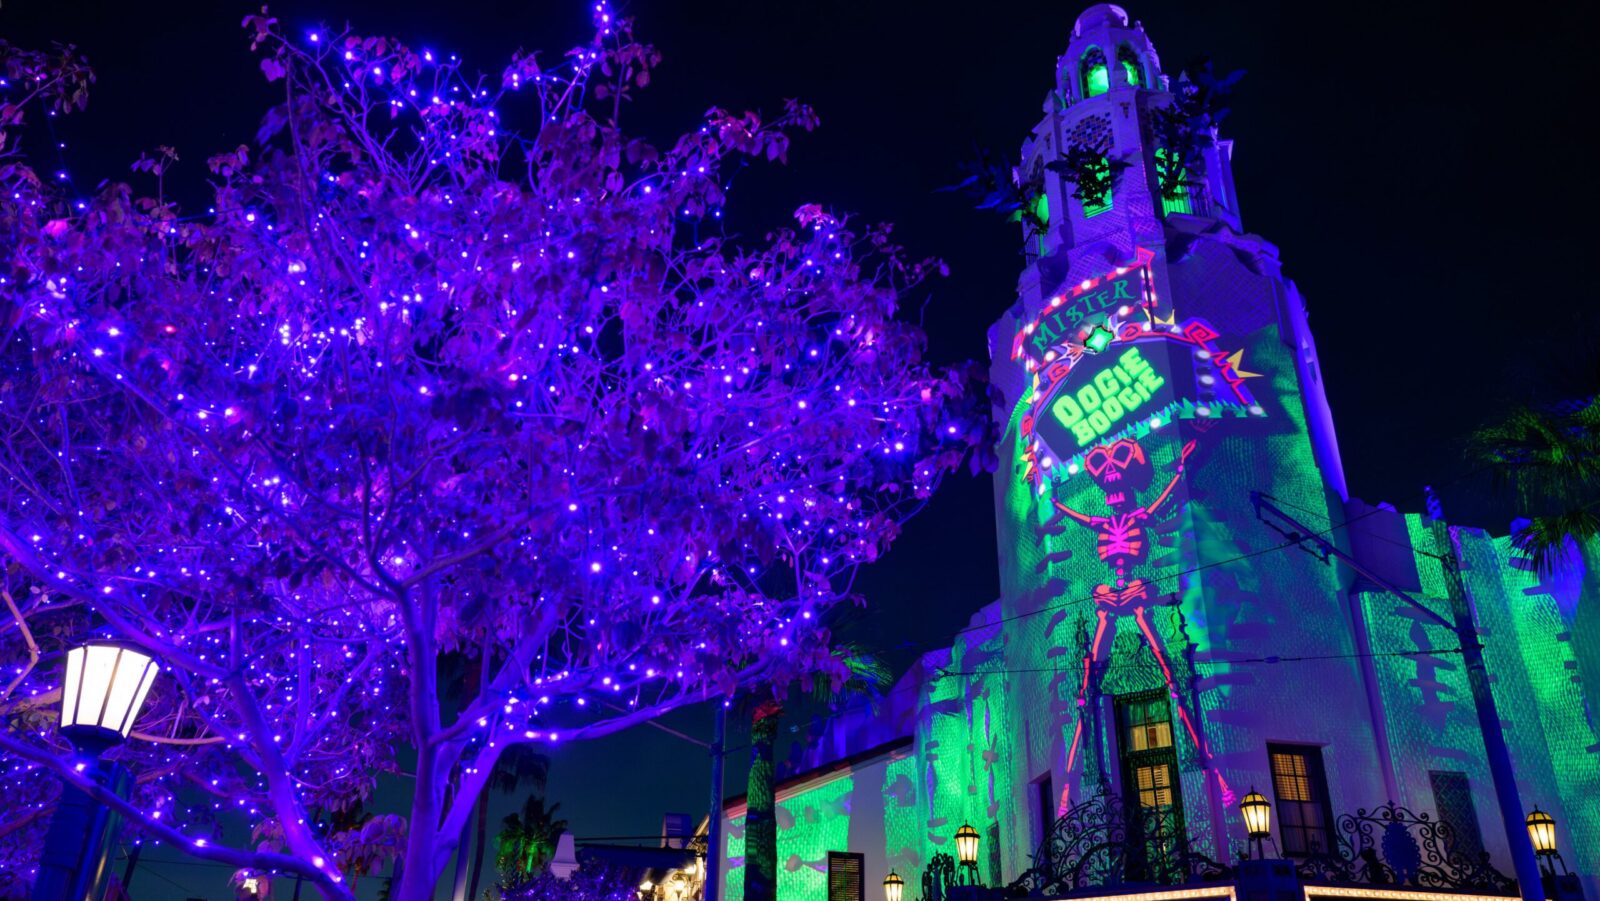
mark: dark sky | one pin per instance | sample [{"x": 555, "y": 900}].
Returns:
[{"x": 1419, "y": 164}]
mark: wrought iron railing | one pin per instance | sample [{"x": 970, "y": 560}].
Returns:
[
  {"x": 1391, "y": 845},
  {"x": 1102, "y": 844}
]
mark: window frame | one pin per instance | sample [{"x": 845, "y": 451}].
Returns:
[
  {"x": 1086, "y": 85},
  {"x": 1169, "y": 819},
  {"x": 1044, "y": 802},
  {"x": 1316, "y": 783},
  {"x": 861, "y": 875},
  {"x": 1473, "y": 848}
]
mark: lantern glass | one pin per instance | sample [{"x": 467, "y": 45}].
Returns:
[
  {"x": 893, "y": 887},
  {"x": 105, "y": 687},
  {"x": 967, "y": 845},
  {"x": 1257, "y": 814},
  {"x": 1542, "y": 831}
]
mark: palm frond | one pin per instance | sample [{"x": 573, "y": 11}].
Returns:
[
  {"x": 1551, "y": 541},
  {"x": 1548, "y": 456}
]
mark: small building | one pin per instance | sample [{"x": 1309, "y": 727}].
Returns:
[{"x": 1170, "y": 634}]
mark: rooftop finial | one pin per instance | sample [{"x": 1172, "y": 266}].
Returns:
[{"x": 1101, "y": 14}]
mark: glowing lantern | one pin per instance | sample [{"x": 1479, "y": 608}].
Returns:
[
  {"x": 893, "y": 886},
  {"x": 1542, "y": 832},
  {"x": 1257, "y": 815},
  {"x": 967, "y": 846},
  {"x": 103, "y": 690}
]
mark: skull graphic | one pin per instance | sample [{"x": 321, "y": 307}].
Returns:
[{"x": 1121, "y": 470}]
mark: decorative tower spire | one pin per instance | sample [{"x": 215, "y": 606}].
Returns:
[{"x": 1118, "y": 153}]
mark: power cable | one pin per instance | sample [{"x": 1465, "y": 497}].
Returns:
[
  {"x": 1235, "y": 559},
  {"x": 1268, "y": 659}
]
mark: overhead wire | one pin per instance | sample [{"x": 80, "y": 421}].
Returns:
[{"x": 1172, "y": 597}]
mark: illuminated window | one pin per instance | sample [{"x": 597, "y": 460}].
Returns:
[
  {"x": 1179, "y": 201},
  {"x": 1130, "y": 65},
  {"x": 1150, "y": 791},
  {"x": 1304, "y": 821},
  {"x": 1149, "y": 725},
  {"x": 1093, "y": 74},
  {"x": 845, "y": 882},
  {"x": 1452, "y": 798},
  {"x": 1154, "y": 785}
]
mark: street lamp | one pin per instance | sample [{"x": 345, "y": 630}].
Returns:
[
  {"x": 250, "y": 885},
  {"x": 102, "y": 690},
  {"x": 967, "y": 851},
  {"x": 104, "y": 687},
  {"x": 1542, "y": 832},
  {"x": 893, "y": 886},
  {"x": 1257, "y": 817}
]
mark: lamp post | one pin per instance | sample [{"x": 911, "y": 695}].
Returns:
[
  {"x": 1257, "y": 813},
  {"x": 251, "y": 885},
  {"x": 1497, "y": 754},
  {"x": 967, "y": 852},
  {"x": 102, "y": 690},
  {"x": 1559, "y": 885},
  {"x": 1542, "y": 832},
  {"x": 893, "y": 887}
]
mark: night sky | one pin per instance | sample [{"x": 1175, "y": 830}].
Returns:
[{"x": 1420, "y": 166}]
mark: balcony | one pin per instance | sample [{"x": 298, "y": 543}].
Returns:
[{"x": 1100, "y": 849}]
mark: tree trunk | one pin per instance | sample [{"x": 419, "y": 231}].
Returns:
[
  {"x": 760, "y": 824},
  {"x": 483, "y": 840},
  {"x": 713, "y": 886},
  {"x": 458, "y": 886}
]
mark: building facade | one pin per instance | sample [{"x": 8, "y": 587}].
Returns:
[{"x": 1161, "y": 645}]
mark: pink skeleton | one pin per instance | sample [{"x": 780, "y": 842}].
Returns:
[{"x": 1122, "y": 471}]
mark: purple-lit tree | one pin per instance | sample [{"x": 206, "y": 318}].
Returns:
[{"x": 452, "y": 374}]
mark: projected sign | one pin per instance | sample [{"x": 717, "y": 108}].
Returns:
[
  {"x": 1100, "y": 397},
  {"x": 1106, "y": 365}
]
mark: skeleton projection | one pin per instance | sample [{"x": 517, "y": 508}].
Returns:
[
  {"x": 1122, "y": 470},
  {"x": 1108, "y": 365}
]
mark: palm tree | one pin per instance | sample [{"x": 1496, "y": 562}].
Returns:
[
  {"x": 865, "y": 675},
  {"x": 527, "y": 841},
  {"x": 1549, "y": 456},
  {"x": 518, "y": 768}
]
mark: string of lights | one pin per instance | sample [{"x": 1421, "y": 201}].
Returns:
[{"x": 390, "y": 400}]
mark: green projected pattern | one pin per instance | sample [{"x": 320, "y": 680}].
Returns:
[
  {"x": 733, "y": 859},
  {"x": 999, "y": 710},
  {"x": 809, "y": 826},
  {"x": 1528, "y": 645}
]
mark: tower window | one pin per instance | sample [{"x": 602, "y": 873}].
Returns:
[
  {"x": 1130, "y": 65},
  {"x": 1093, "y": 186},
  {"x": 1304, "y": 820},
  {"x": 1173, "y": 185},
  {"x": 1094, "y": 74}
]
